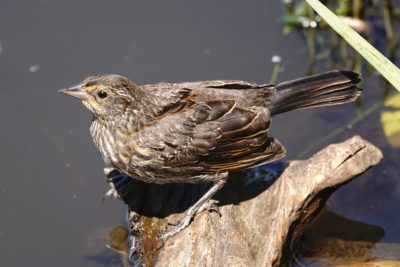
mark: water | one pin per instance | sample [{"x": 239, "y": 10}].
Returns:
[{"x": 52, "y": 185}]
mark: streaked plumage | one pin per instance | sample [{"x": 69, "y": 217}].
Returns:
[{"x": 197, "y": 131}]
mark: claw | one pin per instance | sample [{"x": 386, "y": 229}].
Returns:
[
  {"x": 134, "y": 256},
  {"x": 202, "y": 204},
  {"x": 211, "y": 206},
  {"x": 179, "y": 227},
  {"x": 119, "y": 183},
  {"x": 112, "y": 192},
  {"x": 173, "y": 223}
]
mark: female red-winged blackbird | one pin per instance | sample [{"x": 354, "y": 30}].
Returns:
[{"x": 196, "y": 132}]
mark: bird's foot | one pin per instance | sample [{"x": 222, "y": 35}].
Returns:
[
  {"x": 112, "y": 192},
  {"x": 179, "y": 226},
  {"x": 211, "y": 206},
  {"x": 111, "y": 173},
  {"x": 202, "y": 204},
  {"x": 134, "y": 255},
  {"x": 119, "y": 183}
]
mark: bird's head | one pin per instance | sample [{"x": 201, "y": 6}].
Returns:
[{"x": 105, "y": 95}]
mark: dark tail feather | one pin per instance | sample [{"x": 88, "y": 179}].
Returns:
[{"x": 329, "y": 88}]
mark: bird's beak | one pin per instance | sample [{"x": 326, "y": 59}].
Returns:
[{"x": 77, "y": 91}]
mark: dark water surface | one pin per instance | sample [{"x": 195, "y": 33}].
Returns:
[{"x": 52, "y": 184}]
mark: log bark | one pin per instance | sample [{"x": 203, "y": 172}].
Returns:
[{"x": 258, "y": 225}]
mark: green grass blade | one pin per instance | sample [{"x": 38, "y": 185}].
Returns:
[{"x": 370, "y": 53}]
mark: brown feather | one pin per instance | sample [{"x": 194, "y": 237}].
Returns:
[{"x": 182, "y": 132}]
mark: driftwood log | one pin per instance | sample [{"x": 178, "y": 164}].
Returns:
[{"x": 258, "y": 225}]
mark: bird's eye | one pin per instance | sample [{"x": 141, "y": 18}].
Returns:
[{"x": 102, "y": 94}]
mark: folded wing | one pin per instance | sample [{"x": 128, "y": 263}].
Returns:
[{"x": 210, "y": 137}]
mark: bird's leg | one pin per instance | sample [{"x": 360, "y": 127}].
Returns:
[
  {"x": 199, "y": 206},
  {"x": 112, "y": 192},
  {"x": 210, "y": 205}
]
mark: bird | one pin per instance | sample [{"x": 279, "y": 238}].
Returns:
[{"x": 197, "y": 132}]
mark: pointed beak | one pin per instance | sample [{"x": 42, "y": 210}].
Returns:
[{"x": 77, "y": 91}]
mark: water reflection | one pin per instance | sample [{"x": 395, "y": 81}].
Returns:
[
  {"x": 107, "y": 247},
  {"x": 345, "y": 240},
  {"x": 369, "y": 199}
]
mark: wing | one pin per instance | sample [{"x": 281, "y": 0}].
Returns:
[
  {"x": 245, "y": 94},
  {"x": 210, "y": 137}
]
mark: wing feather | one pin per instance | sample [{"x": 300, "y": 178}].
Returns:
[{"x": 212, "y": 136}]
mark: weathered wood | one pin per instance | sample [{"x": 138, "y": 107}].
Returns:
[{"x": 258, "y": 226}]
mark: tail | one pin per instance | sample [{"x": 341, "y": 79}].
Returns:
[{"x": 329, "y": 88}]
